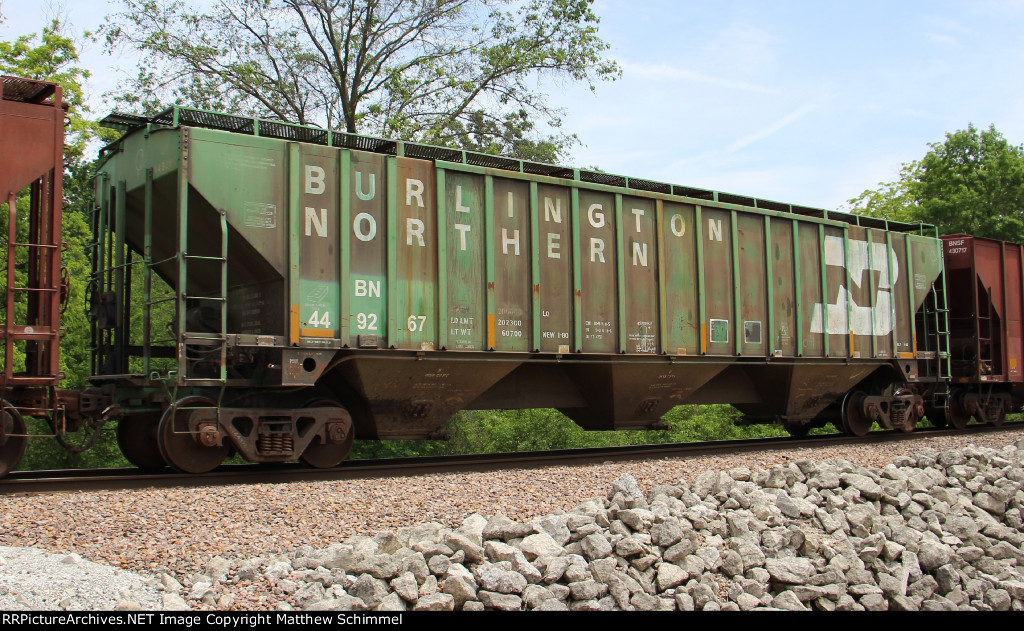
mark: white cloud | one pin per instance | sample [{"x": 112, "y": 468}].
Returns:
[
  {"x": 947, "y": 32},
  {"x": 783, "y": 122},
  {"x": 942, "y": 38},
  {"x": 742, "y": 50},
  {"x": 662, "y": 71},
  {"x": 617, "y": 162},
  {"x": 952, "y": 26},
  {"x": 1008, "y": 9}
]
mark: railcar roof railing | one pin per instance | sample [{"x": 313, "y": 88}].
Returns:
[
  {"x": 26, "y": 90},
  {"x": 178, "y": 116}
]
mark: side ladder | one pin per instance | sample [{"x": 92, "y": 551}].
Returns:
[
  {"x": 936, "y": 329},
  {"x": 197, "y": 348}
]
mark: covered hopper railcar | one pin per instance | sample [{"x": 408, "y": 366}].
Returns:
[
  {"x": 279, "y": 290},
  {"x": 327, "y": 286}
]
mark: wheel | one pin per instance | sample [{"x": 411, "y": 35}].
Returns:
[
  {"x": 137, "y": 438},
  {"x": 955, "y": 413},
  {"x": 854, "y": 421},
  {"x": 179, "y": 448},
  {"x": 12, "y": 448},
  {"x": 324, "y": 455}
]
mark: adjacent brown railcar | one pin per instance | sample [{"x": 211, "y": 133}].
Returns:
[
  {"x": 986, "y": 301},
  {"x": 32, "y": 158}
]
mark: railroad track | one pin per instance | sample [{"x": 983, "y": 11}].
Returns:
[{"x": 34, "y": 482}]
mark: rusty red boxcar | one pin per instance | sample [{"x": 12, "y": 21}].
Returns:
[{"x": 986, "y": 300}]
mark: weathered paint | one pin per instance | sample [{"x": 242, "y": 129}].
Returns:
[
  {"x": 717, "y": 236},
  {"x": 466, "y": 322},
  {"x": 319, "y": 291},
  {"x": 809, "y": 299},
  {"x": 366, "y": 254},
  {"x": 598, "y": 262},
  {"x": 679, "y": 278},
  {"x": 246, "y": 177},
  {"x": 903, "y": 322},
  {"x": 986, "y": 303},
  {"x": 387, "y": 238},
  {"x": 513, "y": 246},
  {"x": 639, "y": 260},
  {"x": 31, "y": 156},
  {"x": 784, "y": 304},
  {"x": 752, "y": 331},
  {"x": 555, "y": 258},
  {"x": 412, "y": 321},
  {"x": 333, "y": 247}
]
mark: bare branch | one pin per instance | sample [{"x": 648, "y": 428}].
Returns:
[{"x": 448, "y": 71}]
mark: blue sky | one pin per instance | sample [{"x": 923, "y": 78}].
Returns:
[
  {"x": 802, "y": 102},
  {"x": 798, "y": 101}
]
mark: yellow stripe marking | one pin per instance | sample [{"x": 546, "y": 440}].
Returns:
[{"x": 317, "y": 333}]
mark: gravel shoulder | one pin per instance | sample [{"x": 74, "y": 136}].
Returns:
[{"x": 33, "y": 579}]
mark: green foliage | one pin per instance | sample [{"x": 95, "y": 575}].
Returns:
[
  {"x": 75, "y": 356},
  {"x": 52, "y": 55},
  {"x": 508, "y": 136},
  {"x": 515, "y": 430},
  {"x": 440, "y": 71},
  {"x": 372, "y": 449},
  {"x": 713, "y": 422},
  {"x": 971, "y": 183},
  {"x": 508, "y": 431},
  {"x": 891, "y": 200},
  {"x": 47, "y": 454}
]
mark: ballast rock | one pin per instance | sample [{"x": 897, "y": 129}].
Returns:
[{"x": 939, "y": 531}]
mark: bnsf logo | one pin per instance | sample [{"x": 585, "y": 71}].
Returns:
[
  {"x": 840, "y": 318},
  {"x": 958, "y": 246}
]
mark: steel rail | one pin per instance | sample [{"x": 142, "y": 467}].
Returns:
[{"x": 36, "y": 482}]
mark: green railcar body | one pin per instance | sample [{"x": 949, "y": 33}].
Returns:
[{"x": 409, "y": 282}]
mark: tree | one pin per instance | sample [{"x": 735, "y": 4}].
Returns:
[
  {"x": 426, "y": 70},
  {"x": 508, "y": 137},
  {"x": 972, "y": 183},
  {"x": 891, "y": 200},
  {"x": 52, "y": 55}
]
